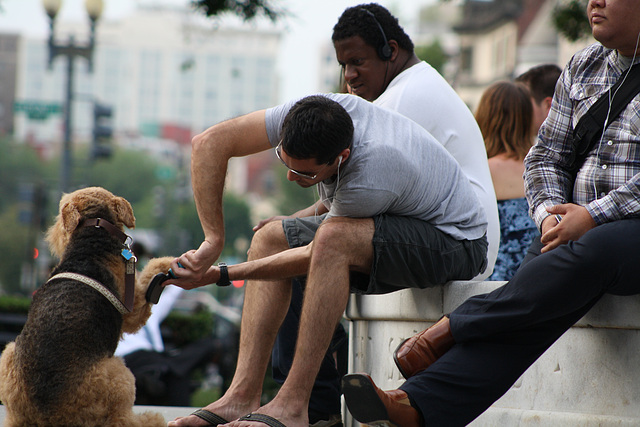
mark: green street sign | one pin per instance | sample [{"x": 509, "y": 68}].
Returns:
[{"x": 37, "y": 110}]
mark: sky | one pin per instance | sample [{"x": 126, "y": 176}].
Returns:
[{"x": 307, "y": 28}]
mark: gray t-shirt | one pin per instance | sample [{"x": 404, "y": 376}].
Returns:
[{"x": 396, "y": 167}]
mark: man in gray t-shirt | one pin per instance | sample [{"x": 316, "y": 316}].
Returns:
[
  {"x": 423, "y": 227},
  {"x": 394, "y": 167}
]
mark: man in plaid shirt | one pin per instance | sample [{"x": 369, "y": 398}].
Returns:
[{"x": 590, "y": 225}]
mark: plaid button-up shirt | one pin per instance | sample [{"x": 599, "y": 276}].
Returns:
[{"x": 608, "y": 184}]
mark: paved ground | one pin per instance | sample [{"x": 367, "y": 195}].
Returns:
[{"x": 168, "y": 412}]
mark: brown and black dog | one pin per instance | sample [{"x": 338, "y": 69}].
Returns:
[{"x": 61, "y": 369}]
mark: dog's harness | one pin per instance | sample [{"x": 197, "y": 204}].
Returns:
[
  {"x": 95, "y": 285},
  {"x": 130, "y": 268}
]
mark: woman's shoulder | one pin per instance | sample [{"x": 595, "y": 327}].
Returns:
[{"x": 506, "y": 174}]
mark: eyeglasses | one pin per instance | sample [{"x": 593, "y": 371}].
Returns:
[{"x": 300, "y": 174}]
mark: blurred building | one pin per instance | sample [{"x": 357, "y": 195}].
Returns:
[
  {"x": 166, "y": 72},
  {"x": 499, "y": 39},
  {"x": 329, "y": 71},
  {"x": 8, "y": 64}
]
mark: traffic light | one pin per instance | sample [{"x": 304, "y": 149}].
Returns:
[{"x": 102, "y": 131}]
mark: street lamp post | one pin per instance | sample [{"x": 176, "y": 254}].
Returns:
[{"x": 70, "y": 50}]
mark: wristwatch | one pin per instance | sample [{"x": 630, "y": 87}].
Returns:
[{"x": 224, "y": 275}]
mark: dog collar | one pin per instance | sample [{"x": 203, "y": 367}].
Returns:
[
  {"x": 130, "y": 259},
  {"x": 103, "y": 223},
  {"x": 95, "y": 285}
]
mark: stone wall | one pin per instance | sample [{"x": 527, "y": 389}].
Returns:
[{"x": 589, "y": 377}]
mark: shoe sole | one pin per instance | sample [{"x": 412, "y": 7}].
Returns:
[{"x": 363, "y": 402}]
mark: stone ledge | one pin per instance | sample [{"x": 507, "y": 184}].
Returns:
[
  {"x": 588, "y": 377},
  {"x": 428, "y": 305}
]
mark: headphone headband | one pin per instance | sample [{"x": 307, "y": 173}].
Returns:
[{"x": 384, "y": 51}]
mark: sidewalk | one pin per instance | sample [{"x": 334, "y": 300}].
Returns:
[{"x": 168, "y": 412}]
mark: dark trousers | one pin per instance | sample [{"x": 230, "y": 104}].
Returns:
[
  {"x": 500, "y": 334},
  {"x": 325, "y": 396}
]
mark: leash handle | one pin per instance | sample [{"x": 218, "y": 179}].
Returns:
[{"x": 155, "y": 288}]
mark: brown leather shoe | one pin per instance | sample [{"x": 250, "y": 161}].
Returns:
[
  {"x": 370, "y": 405},
  {"x": 417, "y": 353}
]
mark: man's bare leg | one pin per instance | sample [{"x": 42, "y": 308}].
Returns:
[
  {"x": 340, "y": 245},
  {"x": 265, "y": 305}
]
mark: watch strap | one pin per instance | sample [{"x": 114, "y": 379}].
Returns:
[{"x": 224, "y": 275}]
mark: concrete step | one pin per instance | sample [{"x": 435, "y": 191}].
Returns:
[{"x": 589, "y": 377}]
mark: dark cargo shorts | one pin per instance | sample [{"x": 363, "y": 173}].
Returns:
[{"x": 408, "y": 253}]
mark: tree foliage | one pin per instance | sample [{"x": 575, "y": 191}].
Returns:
[
  {"x": 19, "y": 163},
  {"x": 13, "y": 249},
  {"x": 434, "y": 54},
  {"x": 128, "y": 173},
  {"x": 570, "y": 19},
  {"x": 135, "y": 174},
  {"x": 237, "y": 226},
  {"x": 245, "y": 9}
]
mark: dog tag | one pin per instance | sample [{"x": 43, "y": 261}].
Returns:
[{"x": 127, "y": 254}]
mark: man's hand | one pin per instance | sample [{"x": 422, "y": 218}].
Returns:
[
  {"x": 194, "y": 268},
  {"x": 268, "y": 220},
  {"x": 576, "y": 221},
  {"x": 318, "y": 208}
]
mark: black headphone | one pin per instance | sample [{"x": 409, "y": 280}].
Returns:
[{"x": 384, "y": 51}]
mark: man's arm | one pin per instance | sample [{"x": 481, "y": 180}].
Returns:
[
  {"x": 291, "y": 263},
  {"x": 211, "y": 151},
  {"x": 548, "y": 181},
  {"x": 548, "y": 177},
  {"x": 318, "y": 208}
]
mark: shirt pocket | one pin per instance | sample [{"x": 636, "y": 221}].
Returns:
[{"x": 583, "y": 96}]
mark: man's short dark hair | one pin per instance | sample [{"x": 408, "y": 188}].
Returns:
[
  {"x": 318, "y": 128},
  {"x": 541, "y": 80},
  {"x": 355, "y": 21}
]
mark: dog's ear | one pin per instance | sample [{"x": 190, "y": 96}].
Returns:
[
  {"x": 70, "y": 216},
  {"x": 124, "y": 211}
]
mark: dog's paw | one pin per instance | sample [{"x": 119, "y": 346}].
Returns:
[
  {"x": 153, "y": 267},
  {"x": 142, "y": 308}
]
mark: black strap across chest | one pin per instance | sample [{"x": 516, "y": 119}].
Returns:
[{"x": 590, "y": 127}]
